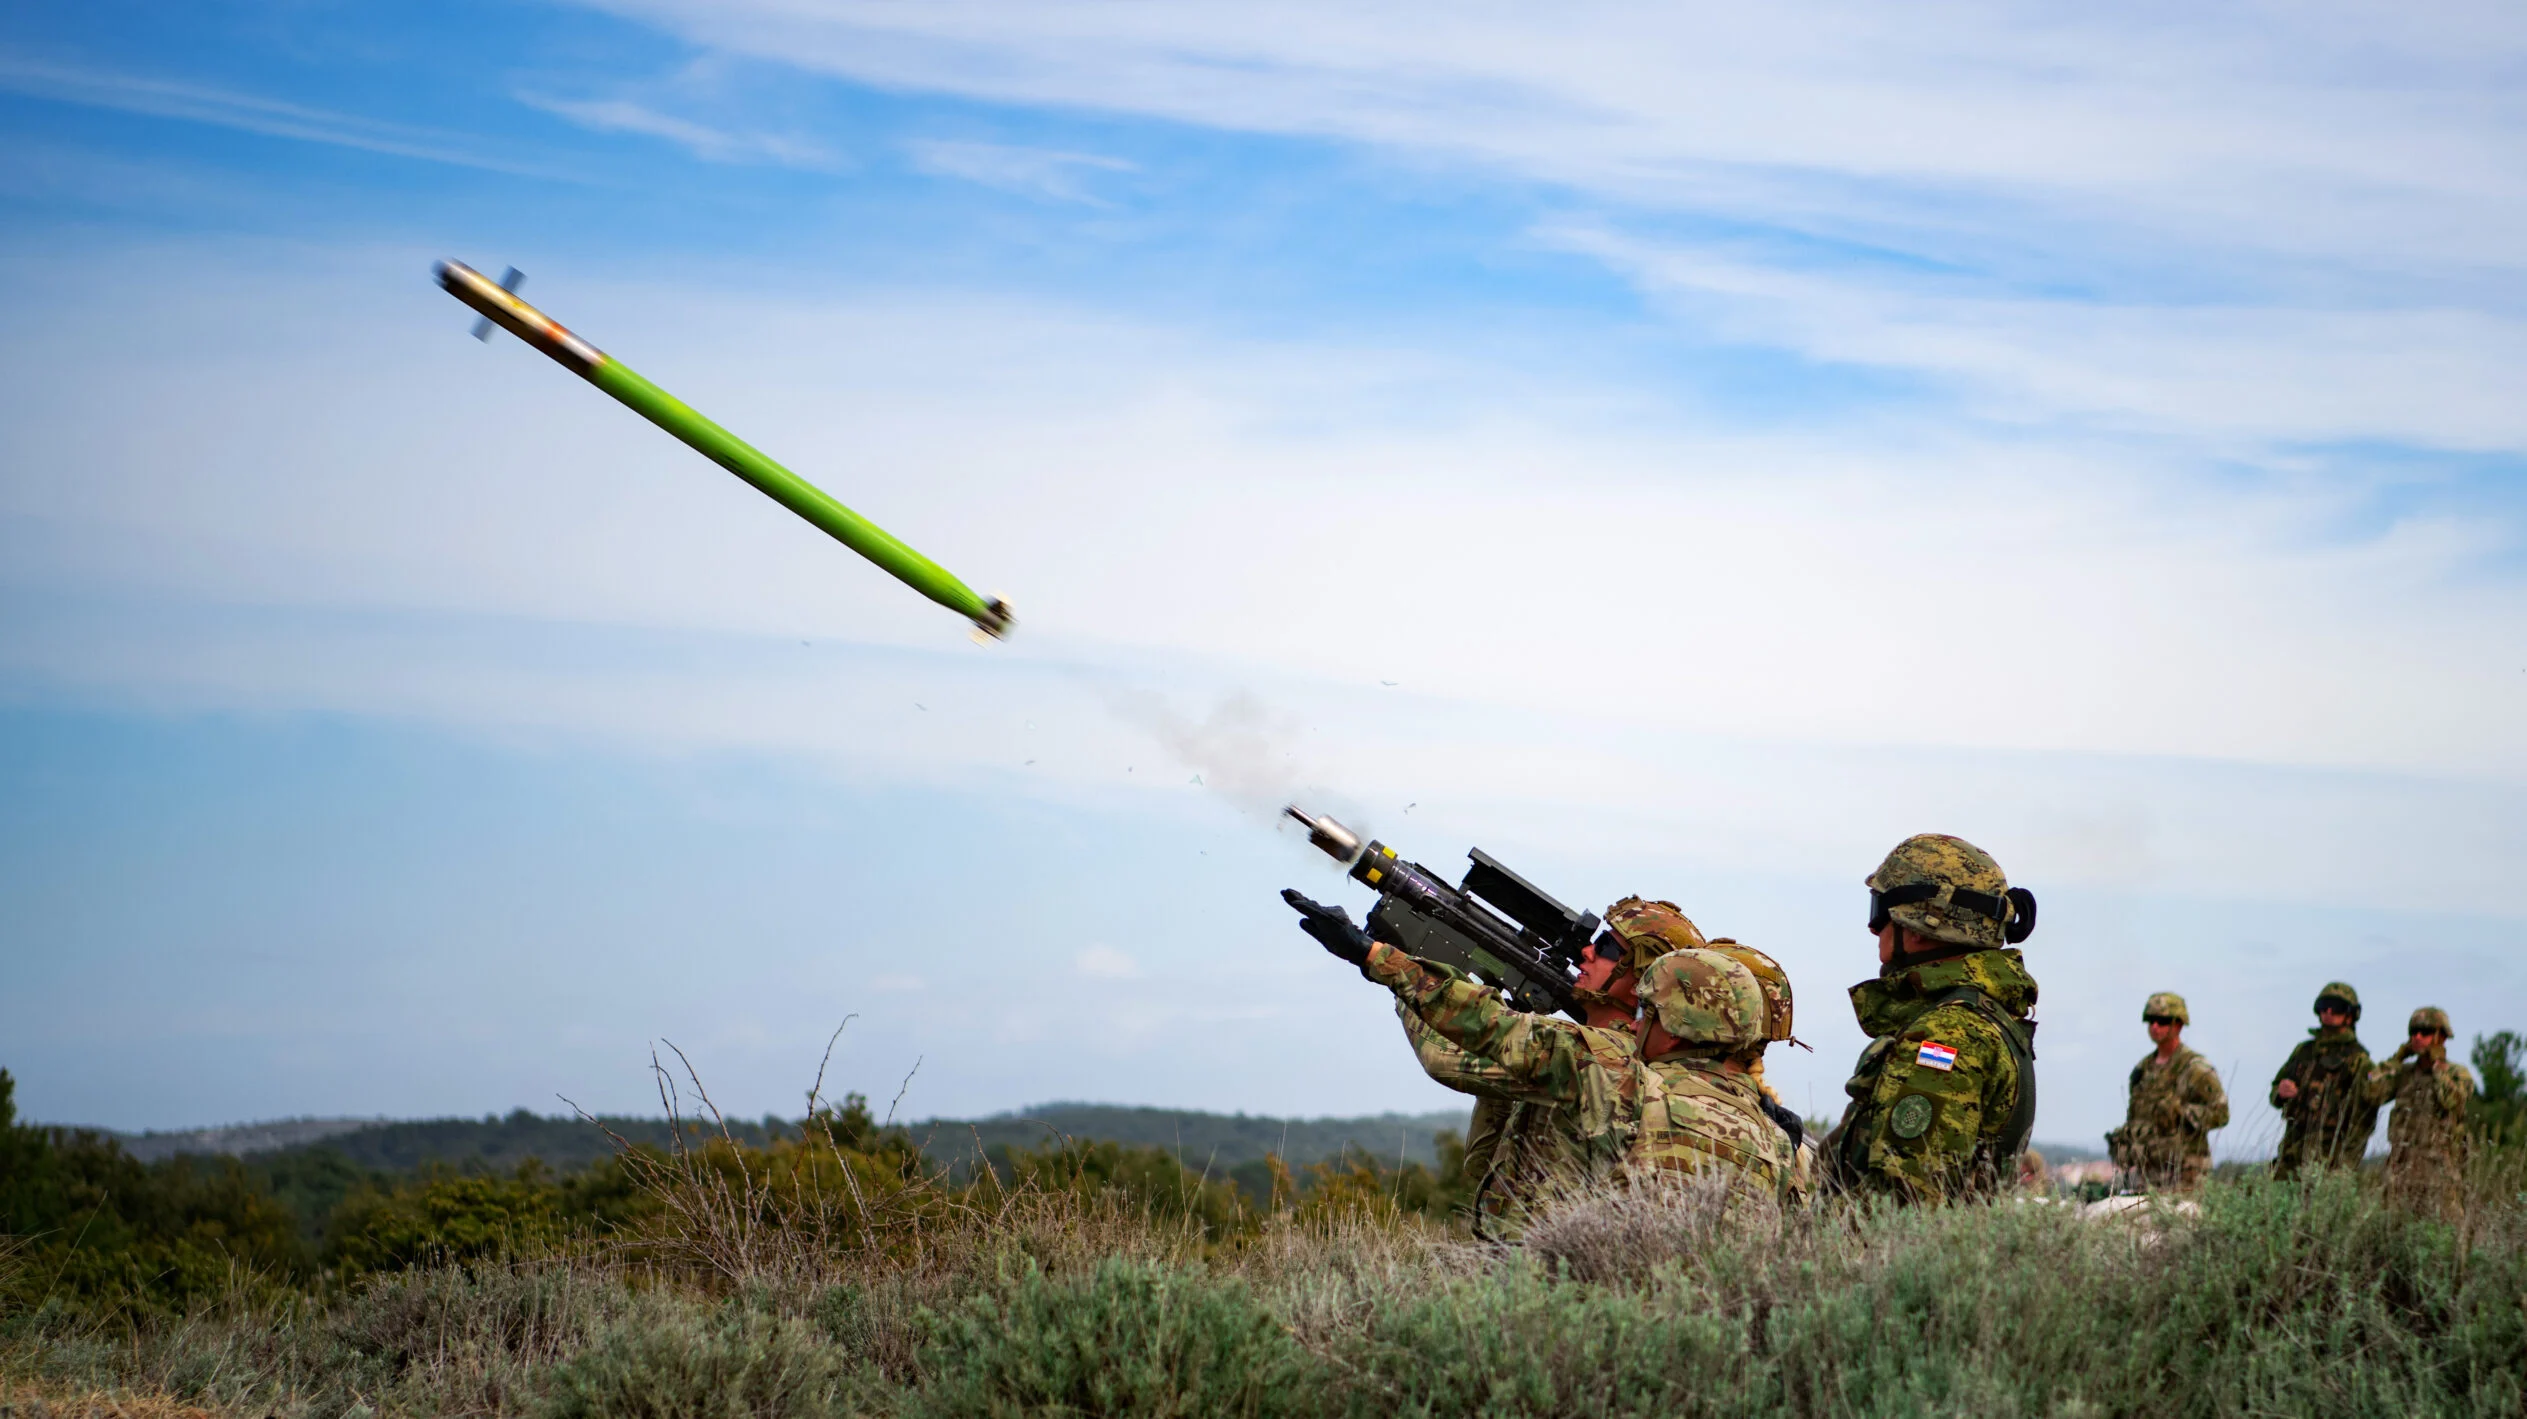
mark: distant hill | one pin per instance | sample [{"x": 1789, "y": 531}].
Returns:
[
  {"x": 566, "y": 1144},
  {"x": 237, "y": 1139},
  {"x": 1216, "y": 1142}
]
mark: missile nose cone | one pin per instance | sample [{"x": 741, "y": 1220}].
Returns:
[{"x": 1325, "y": 835}]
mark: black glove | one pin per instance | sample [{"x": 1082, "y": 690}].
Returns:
[{"x": 1331, "y": 926}]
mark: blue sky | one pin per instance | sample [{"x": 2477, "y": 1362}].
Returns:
[{"x": 1740, "y": 440}]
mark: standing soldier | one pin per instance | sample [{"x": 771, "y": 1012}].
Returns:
[
  {"x": 2426, "y": 1133},
  {"x": 2323, "y": 1090},
  {"x": 2165, "y": 1142},
  {"x": 1944, "y": 1096}
]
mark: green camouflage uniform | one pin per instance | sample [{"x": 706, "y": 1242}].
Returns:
[
  {"x": 1919, "y": 1131},
  {"x": 2165, "y": 1141},
  {"x": 2426, "y": 1133},
  {"x": 1673, "y": 1116},
  {"x": 2329, "y": 1124}
]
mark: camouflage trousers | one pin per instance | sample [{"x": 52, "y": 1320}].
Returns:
[
  {"x": 2158, "y": 1175},
  {"x": 2428, "y": 1184}
]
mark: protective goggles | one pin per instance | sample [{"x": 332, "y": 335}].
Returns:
[
  {"x": 2160, "y": 1020},
  {"x": 2014, "y": 929}
]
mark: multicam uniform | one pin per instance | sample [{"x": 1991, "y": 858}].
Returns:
[
  {"x": 2329, "y": 1123},
  {"x": 2426, "y": 1133},
  {"x": 1674, "y": 1116},
  {"x": 1518, "y": 1149},
  {"x": 2165, "y": 1141}
]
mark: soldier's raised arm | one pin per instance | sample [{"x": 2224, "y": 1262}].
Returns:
[{"x": 2206, "y": 1103}]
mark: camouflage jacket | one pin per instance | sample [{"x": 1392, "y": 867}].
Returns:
[
  {"x": 1937, "y": 1090},
  {"x": 2329, "y": 1123},
  {"x": 2430, "y": 1097},
  {"x": 2174, "y": 1107},
  {"x": 1518, "y": 1148},
  {"x": 1674, "y": 1116}
]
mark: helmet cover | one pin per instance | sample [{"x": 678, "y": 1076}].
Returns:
[
  {"x": 2167, "y": 1004},
  {"x": 2337, "y": 995},
  {"x": 1650, "y": 930},
  {"x": 1705, "y": 998},
  {"x": 1947, "y": 889},
  {"x": 1769, "y": 975},
  {"x": 2431, "y": 1018}
]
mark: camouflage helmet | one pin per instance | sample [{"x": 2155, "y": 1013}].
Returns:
[
  {"x": 2166, "y": 1005},
  {"x": 1769, "y": 975},
  {"x": 1704, "y": 998},
  {"x": 2431, "y": 1018},
  {"x": 2339, "y": 996},
  {"x": 1947, "y": 889},
  {"x": 1649, "y": 930}
]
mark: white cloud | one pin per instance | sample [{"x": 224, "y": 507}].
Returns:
[
  {"x": 2445, "y": 376},
  {"x": 1106, "y": 963},
  {"x": 718, "y": 145},
  {"x": 1807, "y": 639},
  {"x": 248, "y": 113},
  {"x": 2382, "y": 135},
  {"x": 1029, "y": 172}
]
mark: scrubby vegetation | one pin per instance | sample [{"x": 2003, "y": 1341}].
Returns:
[{"x": 829, "y": 1271}]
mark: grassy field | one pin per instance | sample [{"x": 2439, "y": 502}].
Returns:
[{"x": 827, "y": 1273}]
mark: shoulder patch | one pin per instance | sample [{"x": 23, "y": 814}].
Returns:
[
  {"x": 1911, "y": 1117},
  {"x": 1934, "y": 1055}
]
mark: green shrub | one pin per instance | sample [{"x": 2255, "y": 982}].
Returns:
[
  {"x": 670, "y": 1362},
  {"x": 1125, "y": 1340}
]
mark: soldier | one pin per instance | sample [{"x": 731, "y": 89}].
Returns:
[
  {"x": 1521, "y": 1149},
  {"x": 2323, "y": 1090},
  {"x": 1778, "y": 1016},
  {"x": 2165, "y": 1142},
  {"x": 1944, "y": 1096},
  {"x": 1677, "y": 1101},
  {"x": 1516, "y": 1147},
  {"x": 2426, "y": 1133}
]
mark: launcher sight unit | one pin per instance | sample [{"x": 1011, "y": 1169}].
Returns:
[{"x": 1495, "y": 925}]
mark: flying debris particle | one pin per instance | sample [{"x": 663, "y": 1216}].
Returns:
[
  {"x": 1409, "y": 807},
  {"x": 1030, "y": 763},
  {"x": 919, "y": 705},
  {"x": 1390, "y": 684},
  {"x": 1197, "y": 778}
]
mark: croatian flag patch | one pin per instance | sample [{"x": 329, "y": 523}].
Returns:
[{"x": 1934, "y": 1055}]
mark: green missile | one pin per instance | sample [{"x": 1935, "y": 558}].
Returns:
[{"x": 502, "y": 307}]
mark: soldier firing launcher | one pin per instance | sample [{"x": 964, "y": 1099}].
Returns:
[{"x": 1495, "y": 925}]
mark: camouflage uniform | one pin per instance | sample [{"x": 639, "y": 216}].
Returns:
[
  {"x": 2165, "y": 1141},
  {"x": 2426, "y": 1133},
  {"x": 1943, "y": 1097},
  {"x": 1516, "y": 1147},
  {"x": 1676, "y": 1115},
  {"x": 2329, "y": 1123},
  {"x": 1778, "y": 1015}
]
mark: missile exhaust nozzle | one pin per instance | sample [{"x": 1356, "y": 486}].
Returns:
[{"x": 1327, "y": 836}]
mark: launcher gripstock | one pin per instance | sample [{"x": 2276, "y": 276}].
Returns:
[{"x": 1495, "y": 925}]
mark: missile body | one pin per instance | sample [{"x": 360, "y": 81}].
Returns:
[{"x": 989, "y": 615}]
